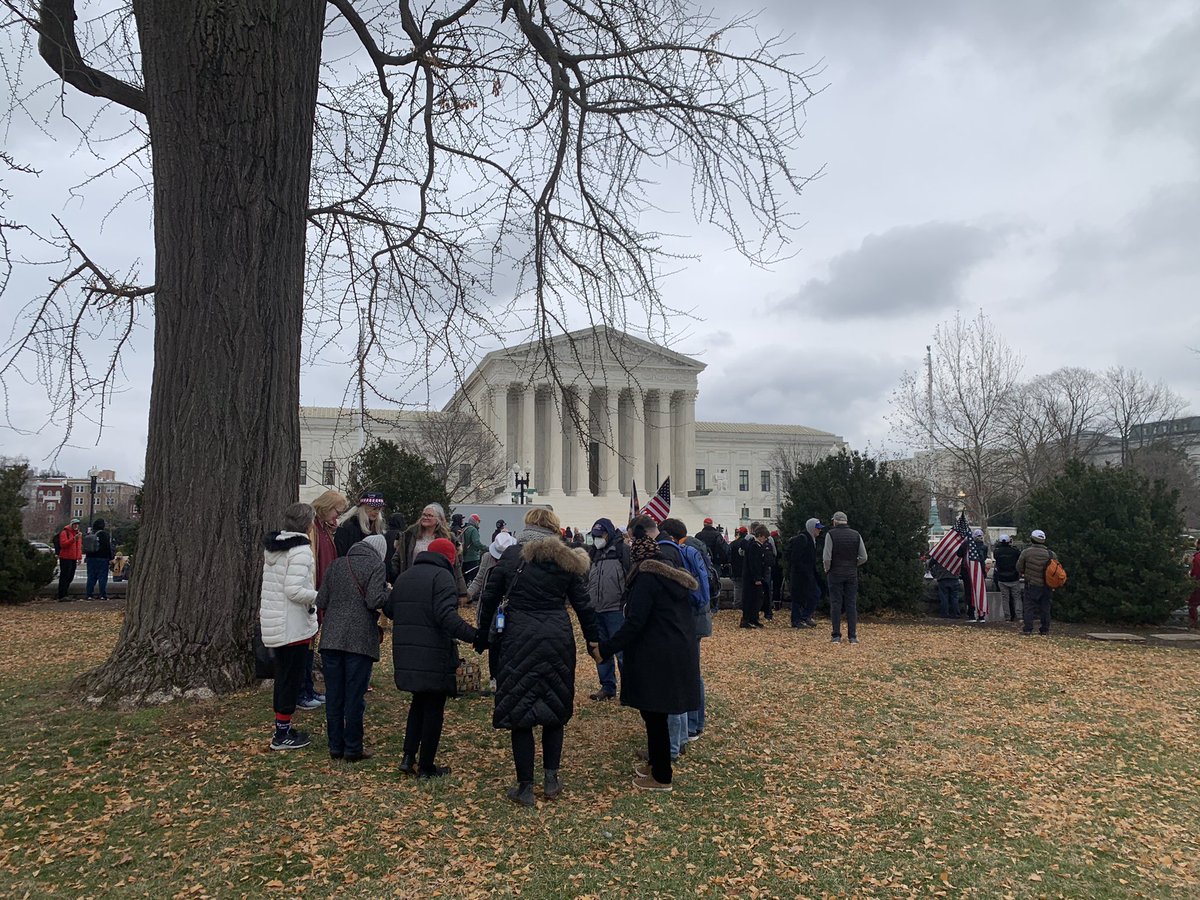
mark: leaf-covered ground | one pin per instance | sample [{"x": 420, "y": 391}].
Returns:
[{"x": 925, "y": 761}]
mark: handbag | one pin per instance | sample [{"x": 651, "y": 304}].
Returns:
[{"x": 494, "y": 636}]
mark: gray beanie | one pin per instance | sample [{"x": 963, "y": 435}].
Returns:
[{"x": 378, "y": 543}]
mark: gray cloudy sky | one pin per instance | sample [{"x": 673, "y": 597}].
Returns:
[{"x": 1038, "y": 159}]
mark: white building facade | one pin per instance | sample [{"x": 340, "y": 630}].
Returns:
[{"x": 585, "y": 417}]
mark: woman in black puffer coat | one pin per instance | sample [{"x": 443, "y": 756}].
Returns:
[
  {"x": 660, "y": 675},
  {"x": 535, "y": 673},
  {"x": 424, "y": 609}
]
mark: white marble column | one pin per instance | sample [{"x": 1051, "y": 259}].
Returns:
[
  {"x": 528, "y": 432},
  {"x": 610, "y": 460},
  {"x": 659, "y": 465},
  {"x": 575, "y": 482},
  {"x": 498, "y": 422},
  {"x": 678, "y": 475},
  {"x": 688, "y": 478},
  {"x": 637, "y": 438},
  {"x": 554, "y": 451}
]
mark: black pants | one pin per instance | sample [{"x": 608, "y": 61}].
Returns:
[
  {"x": 66, "y": 574},
  {"x": 289, "y": 669},
  {"x": 424, "y": 730},
  {"x": 777, "y": 587},
  {"x": 767, "y": 590},
  {"x": 751, "y": 602},
  {"x": 658, "y": 746},
  {"x": 552, "y": 744},
  {"x": 1039, "y": 597}
]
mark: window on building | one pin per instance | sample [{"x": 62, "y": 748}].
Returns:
[
  {"x": 745, "y": 512},
  {"x": 328, "y": 473},
  {"x": 303, "y": 474},
  {"x": 764, "y": 478},
  {"x": 699, "y": 479},
  {"x": 743, "y": 480},
  {"x": 79, "y": 488},
  {"x": 766, "y": 512},
  {"x": 464, "y": 474}
]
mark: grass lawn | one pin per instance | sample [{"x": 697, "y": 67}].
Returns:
[{"x": 925, "y": 761}]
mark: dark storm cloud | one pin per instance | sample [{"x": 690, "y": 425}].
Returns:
[
  {"x": 777, "y": 383},
  {"x": 906, "y": 269}
]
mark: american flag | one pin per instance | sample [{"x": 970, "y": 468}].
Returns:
[
  {"x": 975, "y": 560},
  {"x": 659, "y": 506},
  {"x": 945, "y": 554},
  {"x": 634, "y": 505}
]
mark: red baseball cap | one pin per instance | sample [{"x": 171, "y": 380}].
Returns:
[
  {"x": 708, "y": 521},
  {"x": 444, "y": 547}
]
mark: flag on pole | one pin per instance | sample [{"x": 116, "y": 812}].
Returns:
[
  {"x": 635, "y": 505},
  {"x": 945, "y": 554},
  {"x": 659, "y": 506},
  {"x": 975, "y": 560}
]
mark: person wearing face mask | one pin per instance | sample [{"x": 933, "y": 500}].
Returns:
[{"x": 606, "y": 585}]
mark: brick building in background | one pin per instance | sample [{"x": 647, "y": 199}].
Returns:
[{"x": 55, "y": 500}]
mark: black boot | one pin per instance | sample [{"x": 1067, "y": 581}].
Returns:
[
  {"x": 521, "y": 794},
  {"x": 551, "y": 787},
  {"x": 408, "y": 765}
]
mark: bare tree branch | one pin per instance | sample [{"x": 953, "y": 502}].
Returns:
[{"x": 59, "y": 47}]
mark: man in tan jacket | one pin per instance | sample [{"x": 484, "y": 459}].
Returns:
[{"x": 1031, "y": 565}]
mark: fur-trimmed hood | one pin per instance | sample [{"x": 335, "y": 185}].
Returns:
[
  {"x": 663, "y": 569},
  {"x": 550, "y": 549},
  {"x": 279, "y": 541}
]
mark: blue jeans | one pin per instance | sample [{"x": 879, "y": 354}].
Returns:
[
  {"x": 843, "y": 593},
  {"x": 695, "y": 719},
  {"x": 608, "y": 624},
  {"x": 346, "y": 678},
  {"x": 948, "y": 597},
  {"x": 97, "y": 576},
  {"x": 677, "y": 727}
]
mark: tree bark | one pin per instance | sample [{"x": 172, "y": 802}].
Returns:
[{"x": 231, "y": 98}]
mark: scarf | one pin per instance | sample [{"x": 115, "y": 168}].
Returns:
[{"x": 643, "y": 549}]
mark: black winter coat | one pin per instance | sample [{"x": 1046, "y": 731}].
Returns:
[
  {"x": 660, "y": 671},
  {"x": 1006, "y": 562},
  {"x": 535, "y": 671},
  {"x": 802, "y": 566},
  {"x": 423, "y": 607},
  {"x": 717, "y": 548},
  {"x": 756, "y": 565}
]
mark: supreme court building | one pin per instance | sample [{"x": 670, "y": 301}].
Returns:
[{"x": 585, "y": 417}]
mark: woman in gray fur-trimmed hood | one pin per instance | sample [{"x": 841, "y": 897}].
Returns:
[{"x": 535, "y": 673}]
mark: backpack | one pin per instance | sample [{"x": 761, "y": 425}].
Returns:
[
  {"x": 1055, "y": 575},
  {"x": 91, "y": 542},
  {"x": 56, "y": 542},
  {"x": 694, "y": 563}
]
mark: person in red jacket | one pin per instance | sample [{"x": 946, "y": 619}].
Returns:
[
  {"x": 1194, "y": 600},
  {"x": 70, "y": 552}
]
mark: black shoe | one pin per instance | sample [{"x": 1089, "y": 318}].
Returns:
[
  {"x": 359, "y": 757},
  {"x": 521, "y": 794},
  {"x": 335, "y": 755},
  {"x": 435, "y": 772},
  {"x": 551, "y": 786},
  {"x": 758, "y": 625},
  {"x": 289, "y": 740},
  {"x": 408, "y": 764},
  {"x": 600, "y": 696},
  {"x": 1026, "y": 633},
  {"x": 745, "y": 625}
]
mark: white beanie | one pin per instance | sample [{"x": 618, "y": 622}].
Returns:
[
  {"x": 503, "y": 541},
  {"x": 1038, "y": 535}
]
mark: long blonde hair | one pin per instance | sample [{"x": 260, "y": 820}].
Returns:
[{"x": 327, "y": 502}]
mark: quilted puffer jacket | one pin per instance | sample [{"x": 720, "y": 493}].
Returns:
[
  {"x": 287, "y": 612},
  {"x": 535, "y": 675}
]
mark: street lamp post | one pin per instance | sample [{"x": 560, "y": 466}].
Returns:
[
  {"x": 520, "y": 483},
  {"x": 93, "y": 474}
]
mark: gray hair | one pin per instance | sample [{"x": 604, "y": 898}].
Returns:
[
  {"x": 298, "y": 517},
  {"x": 437, "y": 509},
  {"x": 840, "y": 517}
]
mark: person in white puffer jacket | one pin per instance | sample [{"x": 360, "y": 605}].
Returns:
[{"x": 287, "y": 614}]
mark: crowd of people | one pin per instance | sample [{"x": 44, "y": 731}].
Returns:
[{"x": 643, "y": 597}]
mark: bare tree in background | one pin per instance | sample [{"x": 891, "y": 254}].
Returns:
[
  {"x": 366, "y": 170},
  {"x": 1050, "y": 420},
  {"x": 465, "y": 457},
  {"x": 1133, "y": 400},
  {"x": 974, "y": 373}
]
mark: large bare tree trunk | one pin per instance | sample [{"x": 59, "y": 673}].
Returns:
[{"x": 231, "y": 95}]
